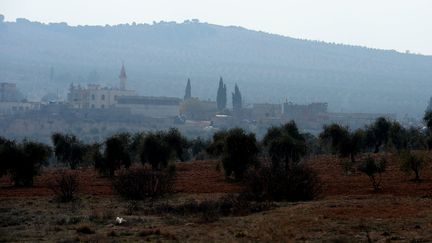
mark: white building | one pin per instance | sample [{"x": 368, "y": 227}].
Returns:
[
  {"x": 12, "y": 107},
  {"x": 96, "y": 97},
  {"x": 154, "y": 107}
]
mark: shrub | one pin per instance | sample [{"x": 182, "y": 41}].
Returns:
[
  {"x": 22, "y": 161},
  {"x": 178, "y": 143},
  {"x": 378, "y": 133},
  {"x": 411, "y": 162},
  {"x": 343, "y": 141},
  {"x": 239, "y": 152},
  {"x": 156, "y": 151},
  {"x": 300, "y": 183},
  {"x": 143, "y": 183},
  {"x": 116, "y": 153},
  {"x": 68, "y": 149},
  {"x": 373, "y": 169},
  {"x": 285, "y": 145},
  {"x": 216, "y": 147},
  {"x": 65, "y": 186},
  {"x": 8, "y": 154},
  {"x": 198, "y": 148}
]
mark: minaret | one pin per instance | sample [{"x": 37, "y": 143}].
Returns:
[{"x": 123, "y": 78}]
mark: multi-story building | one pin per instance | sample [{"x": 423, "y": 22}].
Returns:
[
  {"x": 96, "y": 97},
  {"x": 154, "y": 107},
  {"x": 13, "y": 107},
  {"x": 9, "y": 92}
]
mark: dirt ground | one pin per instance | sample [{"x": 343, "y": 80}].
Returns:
[{"x": 348, "y": 210}]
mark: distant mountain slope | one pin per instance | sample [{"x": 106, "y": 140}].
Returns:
[{"x": 159, "y": 58}]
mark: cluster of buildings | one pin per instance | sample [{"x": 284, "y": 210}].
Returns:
[
  {"x": 120, "y": 104},
  {"x": 11, "y": 100},
  {"x": 96, "y": 97}
]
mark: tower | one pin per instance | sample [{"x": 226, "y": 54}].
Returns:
[{"x": 123, "y": 78}]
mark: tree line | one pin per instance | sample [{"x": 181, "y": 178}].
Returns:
[
  {"x": 272, "y": 168},
  {"x": 221, "y": 96}
]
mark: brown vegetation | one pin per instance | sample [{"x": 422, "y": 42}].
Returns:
[{"x": 348, "y": 210}]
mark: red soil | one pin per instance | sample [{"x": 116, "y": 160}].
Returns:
[
  {"x": 202, "y": 177},
  {"x": 394, "y": 181},
  {"x": 192, "y": 177}
]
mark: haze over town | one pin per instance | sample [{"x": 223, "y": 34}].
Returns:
[
  {"x": 386, "y": 24},
  {"x": 215, "y": 121}
]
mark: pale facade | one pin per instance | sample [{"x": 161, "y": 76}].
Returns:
[
  {"x": 96, "y": 97},
  {"x": 155, "y": 107},
  {"x": 9, "y": 92},
  {"x": 7, "y": 108}
]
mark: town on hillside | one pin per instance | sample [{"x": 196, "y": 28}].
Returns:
[{"x": 95, "y": 111}]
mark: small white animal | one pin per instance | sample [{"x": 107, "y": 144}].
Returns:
[{"x": 120, "y": 220}]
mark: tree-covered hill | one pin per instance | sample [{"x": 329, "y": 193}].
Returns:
[{"x": 159, "y": 58}]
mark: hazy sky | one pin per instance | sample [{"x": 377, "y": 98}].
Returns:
[{"x": 387, "y": 24}]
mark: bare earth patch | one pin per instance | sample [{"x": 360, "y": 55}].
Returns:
[{"x": 348, "y": 211}]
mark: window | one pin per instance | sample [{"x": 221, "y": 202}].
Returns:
[
  {"x": 103, "y": 106},
  {"x": 103, "y": 97},
  {"x": 93, "y": 97}
]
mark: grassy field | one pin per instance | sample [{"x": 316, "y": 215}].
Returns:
[{"x": 347, "y": 211}]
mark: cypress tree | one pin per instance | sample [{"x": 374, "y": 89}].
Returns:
[
  {"x": 236, "y": 99},
  {"x": 224, "y": 96},
  {"x": 221, "y": 98},
  {"x": 188, "y": 92}
]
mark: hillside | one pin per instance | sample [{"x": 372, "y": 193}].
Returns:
[{"x": 159, "y": 58}]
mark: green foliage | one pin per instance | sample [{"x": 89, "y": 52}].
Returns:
[
  {"x": 32, "y": 156},
  {"x": 237, "y": 99},
  {"x": 378, "y": 133},
  {"x": 7, "y": 155},
  {"x": 334, "y": 134},
  {"x": 68, "y": 149},
  {"x": 342, "y": 141},
  {"x": 156, "y": 150},
  {"x": 136, "y": 140},
  {"x": 312, "y": 144},
  {"x": 373, "y": 169},
  {"x": 398, "y": 136},
  {"x": 22, "y": 161},
  {"x": 416, "y": 139},
  {"x": 216, "y": 148},
  {"x": 188, "y": 91},
  {"x": 116, "y": 153},
  {"x": 240, "y": 151},
  {"x": 221, "y": 98},
  {"x": 93, "y": 155},
  {"x": 178, "y": 143},
  {"x": 285, "y": 145},
  {"x": 414, "y": 162},
  {"x": 407, "y": 138}
]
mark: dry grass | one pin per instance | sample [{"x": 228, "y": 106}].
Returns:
[
  {"x": 349, "y": 211},
  {"x": 335, "y": 219}
]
